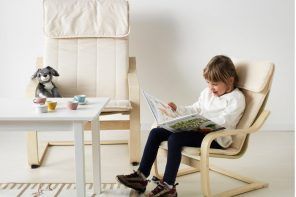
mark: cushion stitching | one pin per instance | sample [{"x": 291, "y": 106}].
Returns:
[
  {"x": 58, "y": 53},
  {"x": 97, "y": 66},
  {"x": 115, "y": 51},
  {"x": 77, "y": 64}
]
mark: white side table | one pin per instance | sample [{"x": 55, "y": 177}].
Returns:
[{"x": 20, "y": 115}]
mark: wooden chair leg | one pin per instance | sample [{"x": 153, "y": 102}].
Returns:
[
  {"x": 134, "y": 135},
  {"x": 32, "y": 148},
  {"x": 251, "y": 184},
  {"x": 203, "y": 166},
  {"x": 205, "y": 177},
  {"x": 35, "y": 151},
  {"x": 135, "y": 128}
]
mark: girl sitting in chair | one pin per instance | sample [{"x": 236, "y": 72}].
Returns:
[{"x": 220, "y": 102}]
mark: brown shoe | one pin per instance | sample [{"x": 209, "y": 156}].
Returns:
[
  {"x": 134, "y": 181},
  {"x": 163, "y": 190}
]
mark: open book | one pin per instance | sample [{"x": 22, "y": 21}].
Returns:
[{"x": 175, "y": 121}]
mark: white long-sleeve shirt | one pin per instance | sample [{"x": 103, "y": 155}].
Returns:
[{"x": 225, "y": 110}]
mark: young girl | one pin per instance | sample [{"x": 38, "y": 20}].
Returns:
[{"x": 220, "y": 102}]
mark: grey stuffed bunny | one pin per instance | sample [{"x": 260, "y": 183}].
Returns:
[{"x": 46, "y": 87}]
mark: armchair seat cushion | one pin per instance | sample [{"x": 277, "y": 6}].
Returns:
[
  {"x": 195, "y": 152},
  {"x": 118, "y": 106}
]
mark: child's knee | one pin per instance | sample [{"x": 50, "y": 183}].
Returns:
[{"x": 154, "y": 132}]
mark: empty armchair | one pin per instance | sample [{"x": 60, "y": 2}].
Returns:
[{"x": 86, "y": 41}]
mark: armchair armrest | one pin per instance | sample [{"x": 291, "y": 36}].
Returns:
[
  {"x": 134, "y": 97},
  {"x": 31, "y": 88},
  {"x": 133, "y": 83},
  {"x": 205, "y": 146}
]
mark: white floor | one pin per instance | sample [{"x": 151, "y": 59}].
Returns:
[{"x": 269, "y": 158}]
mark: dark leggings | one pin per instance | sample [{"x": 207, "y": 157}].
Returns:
[{"x": 175, "y": 143}]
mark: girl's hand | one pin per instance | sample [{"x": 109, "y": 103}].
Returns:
[{"x": 173, "y": 106}]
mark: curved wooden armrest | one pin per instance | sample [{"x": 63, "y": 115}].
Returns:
[
  {"x": 134, "y": 98},
  {"x": 132, "y": 73},
  {"x": 31, "y": 88},
  {"x": 133, "y": 83},
  {"x": 205, "y": 146}
]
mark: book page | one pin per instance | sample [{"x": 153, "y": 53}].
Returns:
[
  {"x": 175, "y": 122},
  {"x": 161, "y": 110},
  {"x": 193, "y": 122}
]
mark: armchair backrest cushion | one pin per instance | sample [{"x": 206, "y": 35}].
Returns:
[
  {"x": 88, "y": 46},
  {"x": 86, "y": 18},
  {"x": 255, "y": 80},
  {"x": 90, "y": 66}
]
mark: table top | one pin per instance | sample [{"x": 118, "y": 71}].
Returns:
[{"x": 24, "y": 109}]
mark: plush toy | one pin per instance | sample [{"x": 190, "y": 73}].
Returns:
[{"x": 46, "y": 87}]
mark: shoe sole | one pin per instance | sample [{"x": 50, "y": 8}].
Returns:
[{"x": 130, "y": 186}]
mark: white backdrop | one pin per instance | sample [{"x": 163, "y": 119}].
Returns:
[{"x": 173, "y": 41}]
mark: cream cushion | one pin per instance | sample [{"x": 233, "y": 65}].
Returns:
[
  {"x": 118, "y": 106},
  {"x": 86, "y": 42},
  {"x": 255, "y": 85},
  {"x": 90, "y": 66},
  {"x": 193, "y": 151},
  {"x": 87, "y": 18},
  {"x": 253, "y": 76}
]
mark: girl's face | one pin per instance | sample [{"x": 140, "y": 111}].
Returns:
[{"x": 219, "y": 88}]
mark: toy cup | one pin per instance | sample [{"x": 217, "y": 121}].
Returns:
[
  {"x": 41, "y": 109},
  {"x": 80, "y": 98},
  {"x": 72, "y": 105},
  {"x": 51, "y": 105},
  {"x": 39, "y": 100}
]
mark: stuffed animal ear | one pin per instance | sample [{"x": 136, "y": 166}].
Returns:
[
  {"x": 35, "y": 74},
  {"x": 53, "y": 71}
]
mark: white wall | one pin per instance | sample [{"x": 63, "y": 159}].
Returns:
[
  {"x": 173, "y": 41},
  {"x": 21, "y": 40}
]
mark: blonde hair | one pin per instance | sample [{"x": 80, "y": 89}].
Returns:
[{"x": 220, "y": 68}]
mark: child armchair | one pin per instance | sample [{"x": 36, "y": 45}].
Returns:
[
  {"x": 255, "y": 83},
  {"x": 86, "y": 41}
]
